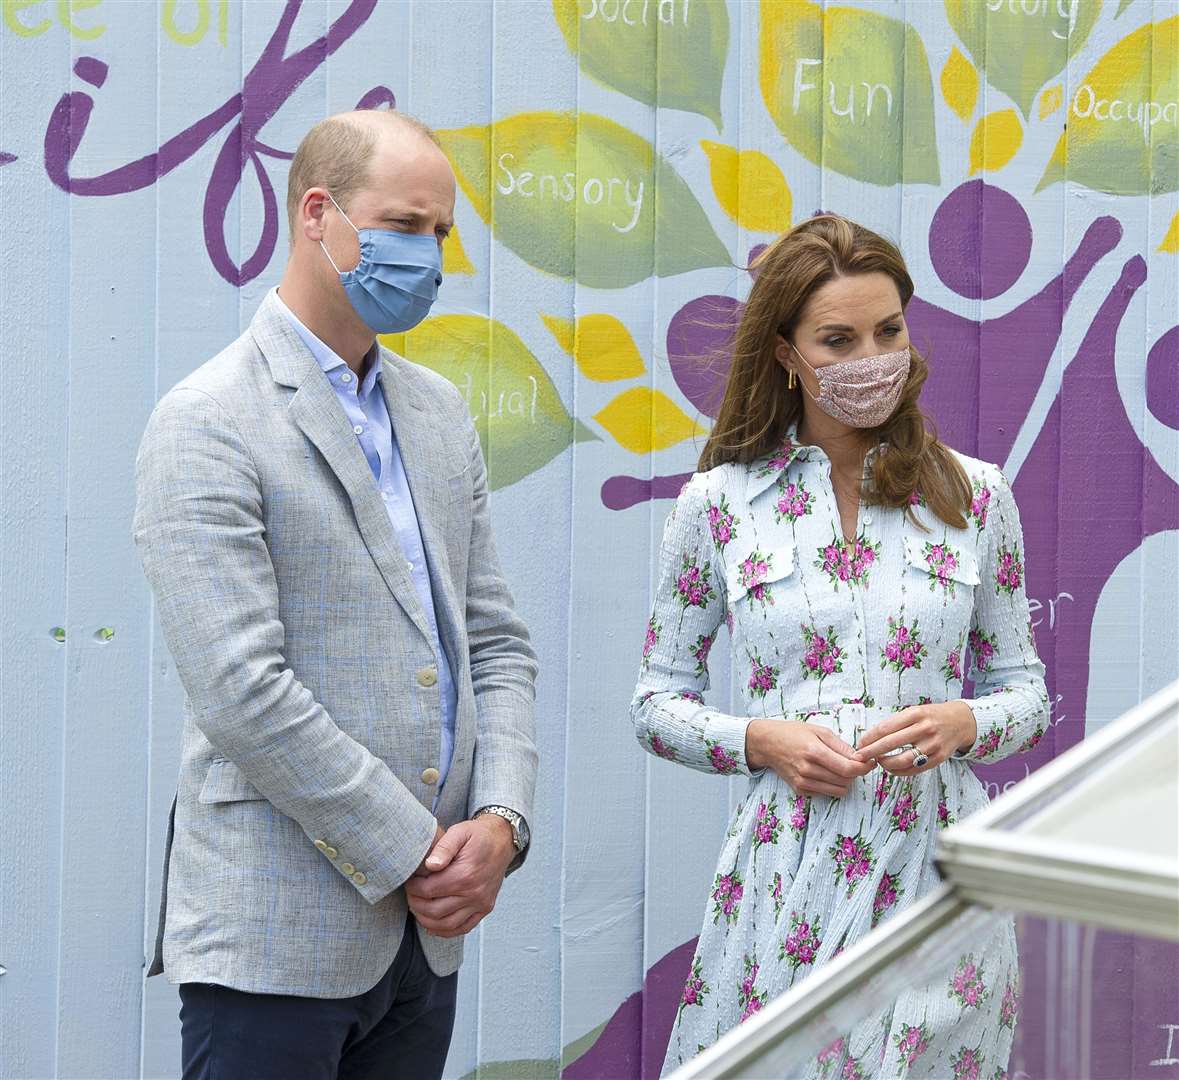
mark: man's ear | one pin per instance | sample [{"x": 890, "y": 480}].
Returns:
[{"x": 313, "y": 210}]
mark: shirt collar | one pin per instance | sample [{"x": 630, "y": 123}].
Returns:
[
  {"x": 765, "y": 470},
  {"x": 325, "y": 356}
]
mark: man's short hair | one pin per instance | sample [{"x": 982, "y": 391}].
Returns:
[{"x": 336, "y": 154}]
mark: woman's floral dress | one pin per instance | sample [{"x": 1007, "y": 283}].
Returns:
[{"x": 840, "y": 634}]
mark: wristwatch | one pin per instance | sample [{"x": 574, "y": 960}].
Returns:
[{"x": 520, "y": 834}]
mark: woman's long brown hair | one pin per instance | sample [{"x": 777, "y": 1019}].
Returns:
[{"x": 758, "y": 409}]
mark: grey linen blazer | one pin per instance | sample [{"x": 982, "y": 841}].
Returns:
[{"x": 312, "y": 715}]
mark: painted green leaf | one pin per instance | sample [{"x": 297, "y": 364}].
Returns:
[
  {"x": 850, "y": 90},
  {"x": 1123, "y": 121},
  {"x": 666, "y": 53},
  {"x": 1021, "y": 45},
  {"x": 521, "y": 419},
  {"x": 544, "y": 180}
]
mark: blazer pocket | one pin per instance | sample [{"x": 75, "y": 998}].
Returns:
[{"x": 225, "y": 783}]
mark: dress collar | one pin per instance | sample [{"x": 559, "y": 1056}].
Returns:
[{"x": 764, "y": 471}]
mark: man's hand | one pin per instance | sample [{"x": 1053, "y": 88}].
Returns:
[
  {"x": 463, "y": 875},
  {"x": 439, "y": 833}
]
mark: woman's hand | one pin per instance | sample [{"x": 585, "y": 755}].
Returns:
[
  {"x": 812, "y": 759},
  {"x": 936, "y": 730}
]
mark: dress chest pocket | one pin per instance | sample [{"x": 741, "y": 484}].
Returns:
[
  {"x": 757, "y": 579},
  {"x": 949, "y": 568}
]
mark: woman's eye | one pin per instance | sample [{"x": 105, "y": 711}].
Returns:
[
  {"x": 835, "y": 342},
  {"x": 892, "y": 331}
]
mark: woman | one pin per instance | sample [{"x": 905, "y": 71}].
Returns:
[{"x": 855, "y": 560}]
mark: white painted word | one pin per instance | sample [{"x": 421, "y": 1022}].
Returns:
[
  {"x": 869, "y": 95},
  {"x": 993, "y": 788},
  {"x": 1168, "y": 1058},
  {"x": 515, "y": 403},
  {"x": 613, "y": 10},
  {"x": 593, "y": 191},
  {"x": 1066, "y": 9},
  {"x": 1034, "y": 605},
  {"x": 1140, "y": 113}
]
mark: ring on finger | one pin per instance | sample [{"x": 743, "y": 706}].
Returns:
[{"x": 920, "y": 759}]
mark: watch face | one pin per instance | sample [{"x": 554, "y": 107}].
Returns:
[{"x": 524, "y": 834}]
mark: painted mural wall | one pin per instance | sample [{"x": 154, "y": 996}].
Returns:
[{"x": 620, "y": 162}]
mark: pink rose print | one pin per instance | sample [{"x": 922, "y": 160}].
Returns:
[
  {"x": 748, "y": 996},
  {"x": 779, "y": 460},
  {"x": 942, "y": 561},
  {"x": 883, "y": 786},
  {"x": 853, "y": 860},
  {"x": 952, "y": 666},
  {"x": 988, "y": 744},
  {"x": 768, "y": 826},
  {"x": 984, "y": 648},
  {"x": 848, "y": 561},
  {"x": 793, "y": 502},
  {"x": 660, "y": 749},
  {"x": 911, "y": 1042},
  {"x": 752, "y": 573},
  {"x": 979, "y": 502},
  {"x": 695, "y": 989},
  {"x": 944, "y": 817},
  {"x": 722, "y": 523},
  {"x": 1000, "y": 1074},
  {"x": 654, "y": 629},
  {"x": 721, "y": 760},
  {"x": 1009, "y": 574},
  {"x": 800, "y": 808},
  {"x": 1009, "y": 1007},
  {"x": 967, "y": 1064},
  {"x": 762, "y": 678},
  {"x": 1033, "y": 740},
  {"x": 700, "y": 651},
  {"x": 887, "y": 893},
  {"x": 802, "y": 941},
  {"x": 916, "y": 499},
  {"x": 694, "y": 585},
  {"x": 904, "y": 650},
  {"x": 966, "y": 985},
  {"x": 690, "y": 695},
  {"x": 852, "y": 1070},
  {"x": 823, "y": 655},
  {"x": 776, "y": 893},
  {"x": 904, "y": 810},
  {"x": 727, "y": 891},
  {"x": 829, "y": 1055}
]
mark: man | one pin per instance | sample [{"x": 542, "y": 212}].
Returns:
[{"x": 358, "y": 759}]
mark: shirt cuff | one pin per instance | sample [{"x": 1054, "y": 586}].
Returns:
[{"x": 724, "y": 741}]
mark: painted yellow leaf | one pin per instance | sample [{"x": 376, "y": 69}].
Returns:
[
  {"x": 960, "y": 85},
  {"x": 642, "y": 420},
  {"x": 749, "y": 187},
  {"x": 562, "y": 329},
  {"x": 997, "y": 136},
  {"x": 600, "y": 344},
  {"x": 454, "y": 255},
  {"x": 1051, "y": 100},
  {"x": 1170, "y": 242}
]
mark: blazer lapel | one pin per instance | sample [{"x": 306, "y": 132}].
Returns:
[{"x": 318, "y": 414}]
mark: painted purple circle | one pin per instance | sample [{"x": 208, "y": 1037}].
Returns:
[
  {"x": 699, "y": 339},
  {"x": 980, "y": 240},
  {"x": 1162, "y": 378}
]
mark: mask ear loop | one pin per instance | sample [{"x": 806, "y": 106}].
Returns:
[
  {"x": 801, "y": 380},
  {"x": 347, "y": 219}
]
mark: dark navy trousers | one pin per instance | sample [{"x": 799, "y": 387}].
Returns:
[{"x": 399, "y": 1028}]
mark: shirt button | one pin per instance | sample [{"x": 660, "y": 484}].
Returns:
[
  {"x": 430, "y": 776},
  {"x": 867, "y": 519},
  {"x": 358, "y": 878},
  {"x": 409, "y": 566},
  {"x": 347, "y": 867},
  {"x": 358, "y": 430},
  {"x": 346, "y": 377},
  {"x": 427, "y": 676}
]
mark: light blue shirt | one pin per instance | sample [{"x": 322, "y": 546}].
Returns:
[{"x": 364, "y": 405}]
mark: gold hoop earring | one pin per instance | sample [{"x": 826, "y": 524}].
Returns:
[{"x": 790, "y": 379}]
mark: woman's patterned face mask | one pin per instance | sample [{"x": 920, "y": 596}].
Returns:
[{"x": 860, "y": 393}]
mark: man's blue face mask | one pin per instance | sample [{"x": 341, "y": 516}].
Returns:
[{"x": 396, "y": 281}]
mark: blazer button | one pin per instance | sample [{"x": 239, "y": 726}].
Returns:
[
  {"x": 322, "y": 845},
  {"x": 359, "y": 878},
  {"x": 430, "y": 776},
  {"x": 347, "y": 867},
  {"x": 427, "y": 676},
  {"x": 330, "y": 852}
]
